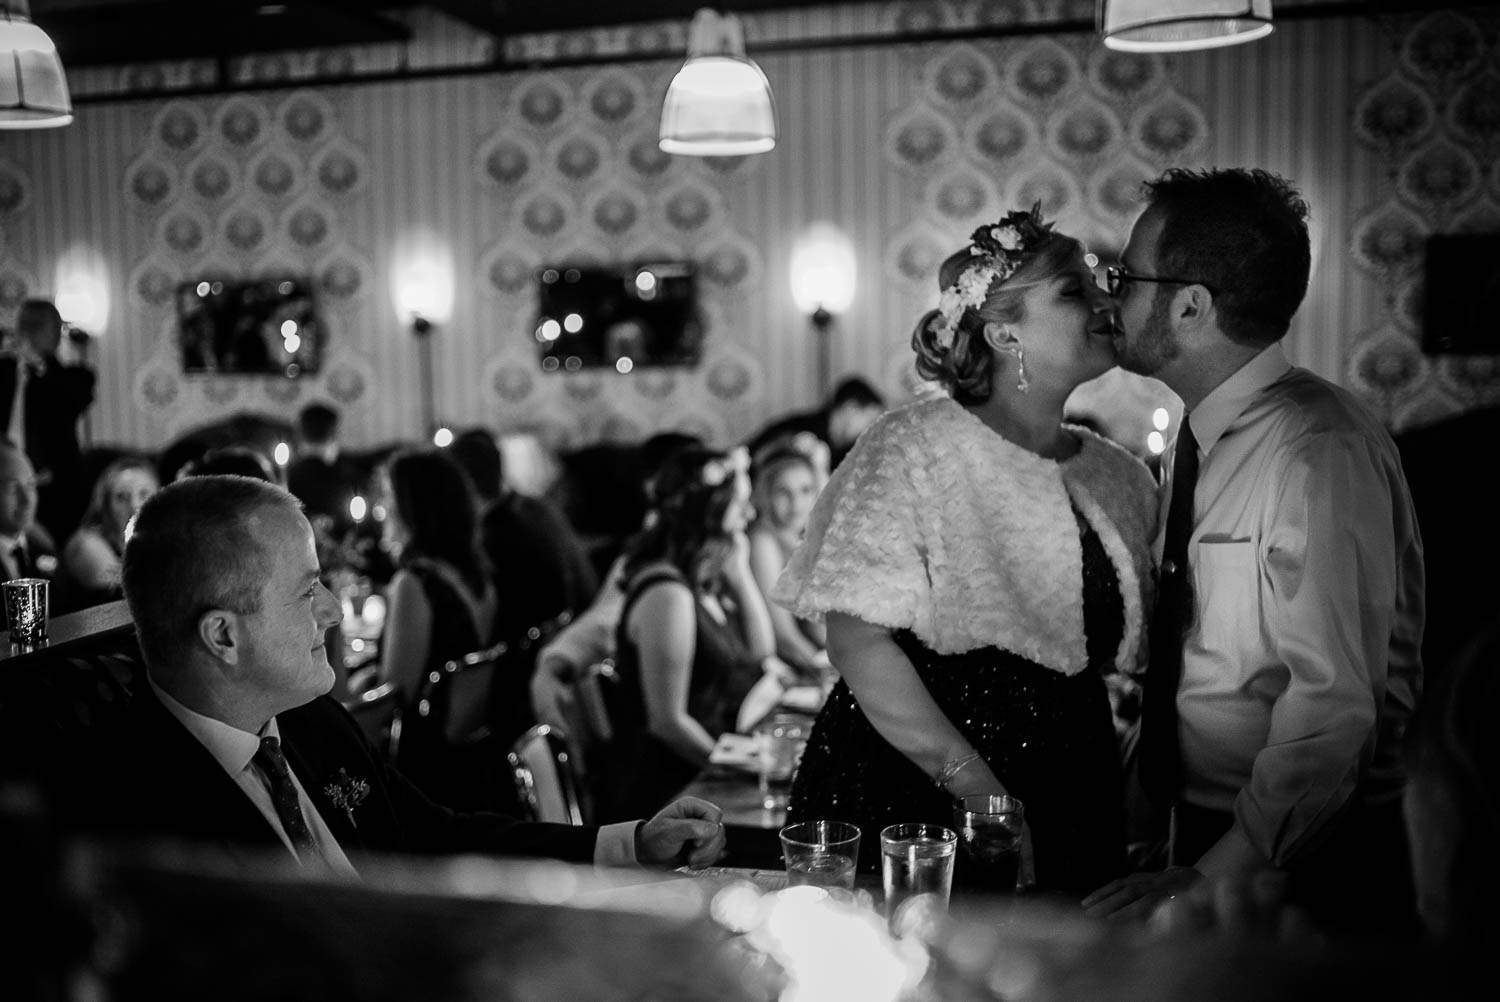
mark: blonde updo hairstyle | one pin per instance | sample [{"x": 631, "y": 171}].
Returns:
[{"x": 966, "y": 368}]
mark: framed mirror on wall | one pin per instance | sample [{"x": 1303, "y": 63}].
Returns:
[
  {"x": 1462, "y": 279},
  {"x": 258, "y": 326},
  {"x": 619, "y": 317}
]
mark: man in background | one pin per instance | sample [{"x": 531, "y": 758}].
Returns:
[
  {"x": 26, "y": 550},
  {"x": 851, "y": 409},
  {"x": 539, "y": 564},
  {"x": 41, "y": 400},
  {"x": 321, "y": 477}
]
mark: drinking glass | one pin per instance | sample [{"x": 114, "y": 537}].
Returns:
[
  {"x": 26, "y": 610},
  {"x": 989, "y": 827},
  {"x": 916, "y": 865},
  {"x": 820, "y": 853},
  {"x": 778, "y": 744}
]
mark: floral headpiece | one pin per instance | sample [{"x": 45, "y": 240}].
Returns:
[
  {"x": 997, "y": 250},
  {"x": 716, "y": 471}
]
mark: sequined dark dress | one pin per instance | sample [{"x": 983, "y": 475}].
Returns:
[{"x": 1049, "y": 737}]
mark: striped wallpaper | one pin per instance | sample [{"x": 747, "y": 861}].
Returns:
[{"x": 1389, "y": 126}]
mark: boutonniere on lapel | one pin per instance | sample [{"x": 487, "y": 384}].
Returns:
[{"x": 347, "y": 792}]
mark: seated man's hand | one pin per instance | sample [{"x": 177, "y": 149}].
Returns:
[
  {"x": 686, "y": 831},
  {"x": 1138, "y": 895}
]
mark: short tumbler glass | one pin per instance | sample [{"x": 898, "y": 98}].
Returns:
[
  {"x": 26, "y": 610},
  {"x": 989, "y": 829},
  {"x": 916, "y": 864},
  {"x": 820, "y": 853}
]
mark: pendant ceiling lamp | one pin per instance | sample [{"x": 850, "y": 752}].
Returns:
[
  {"x": 33, "y": 90},
  {"x": 1180, "y": 25},
  {"x": 719, "y": 103}
]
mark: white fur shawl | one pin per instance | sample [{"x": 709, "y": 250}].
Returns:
[{"x": 936, "y": 524}]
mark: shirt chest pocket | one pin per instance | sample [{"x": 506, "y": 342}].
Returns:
[{"x": 1226, "y": 591}]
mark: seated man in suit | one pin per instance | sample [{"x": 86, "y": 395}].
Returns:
[
  {"x": 26, "y": 550},
  {"x": 234, "y": 741}
]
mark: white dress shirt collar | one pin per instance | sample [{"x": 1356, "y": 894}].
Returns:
[
  {"x": 1227, "y": 401},
  {"x": 231, "y": 747}
]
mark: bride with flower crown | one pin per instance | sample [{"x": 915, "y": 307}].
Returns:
[{"x": 981, "y": 564}]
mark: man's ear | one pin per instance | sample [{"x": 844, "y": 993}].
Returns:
[
  {"x": 218, "y": 632},
  {"x": 1192, "y": 305}
]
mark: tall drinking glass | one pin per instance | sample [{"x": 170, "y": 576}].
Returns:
[
  {"x": 778, "y": 745},
  {"x": 820, "y": 853},
  {"x": 916, "y": 862},
  {"x": 989, "y": 828}
]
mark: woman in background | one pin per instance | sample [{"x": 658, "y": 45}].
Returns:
[
  {"x": 91, "y": 558},
  {"x": 695, "y": 637},
  {"x": 440, "y": 604},
  {"x": 788, "y": 477}
]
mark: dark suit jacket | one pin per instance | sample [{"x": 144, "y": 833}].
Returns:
[
  {"x": 55, "y": 401},
  {"x": 165, "y": 784}
]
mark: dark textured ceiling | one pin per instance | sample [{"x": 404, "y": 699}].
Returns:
[{"x": 94, "y": 32}]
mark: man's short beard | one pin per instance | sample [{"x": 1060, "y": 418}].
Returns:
[{"x": 1154, "y": 345}]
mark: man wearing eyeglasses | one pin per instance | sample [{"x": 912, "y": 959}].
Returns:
[{"x": 1285, "y": 646}]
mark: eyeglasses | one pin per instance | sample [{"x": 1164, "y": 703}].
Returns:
[{"x": 1115, "y": 279}]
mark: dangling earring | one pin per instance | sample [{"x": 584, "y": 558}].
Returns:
[{"x": 1012, "y": 344}]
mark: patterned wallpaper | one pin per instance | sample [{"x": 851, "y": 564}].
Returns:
[{"x": 1392, "y": 128}]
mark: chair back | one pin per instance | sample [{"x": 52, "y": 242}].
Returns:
[
  {"x": 376, "y": 710},
  {"x": 543, "y": 771},
  {"x": 454, "y": 704}
]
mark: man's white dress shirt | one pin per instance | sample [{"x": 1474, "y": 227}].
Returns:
[{"x": 1302, "y": 664}]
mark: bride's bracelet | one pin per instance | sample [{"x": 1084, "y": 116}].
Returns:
[{"x": 951, "y": 768}]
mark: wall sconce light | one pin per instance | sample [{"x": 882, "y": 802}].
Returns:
[
  {"x": 422, "y": 292},
  {"x": 1181, "y": 25},
  {"x": 33, "y": 89},
  {"x": 822, "y": 279},
  {"x": 719, "y": 103}
]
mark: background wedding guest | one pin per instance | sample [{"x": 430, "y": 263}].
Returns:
[
  {"x": 231, "y": 461},
  {"x": 536, "y": 560},
  {"x": 231, "y": 740},
  {"x": 41, "y": 400},
  {"x": 26, "y": 549},
  {"x": 1452, "y": 801},
  {"x": 785, "y": 482},
  {"x": 851, "y": 408},
  {"x": 321, "y": 476},
  {"x": 590, "y": 637},
  {"x": 441, "y": 603},
  {"x": 1285, "y": 655},
  {"x": 981, "y": 564},
  {"x": 90, "y": 572},
  {"x": 694, "y": 637}
]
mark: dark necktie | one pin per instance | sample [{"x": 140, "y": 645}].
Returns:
[
  {"x": 284, "y": 798},
  {"x": 1161, "y": 755},
  {"x": 20, "y": 561}
]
